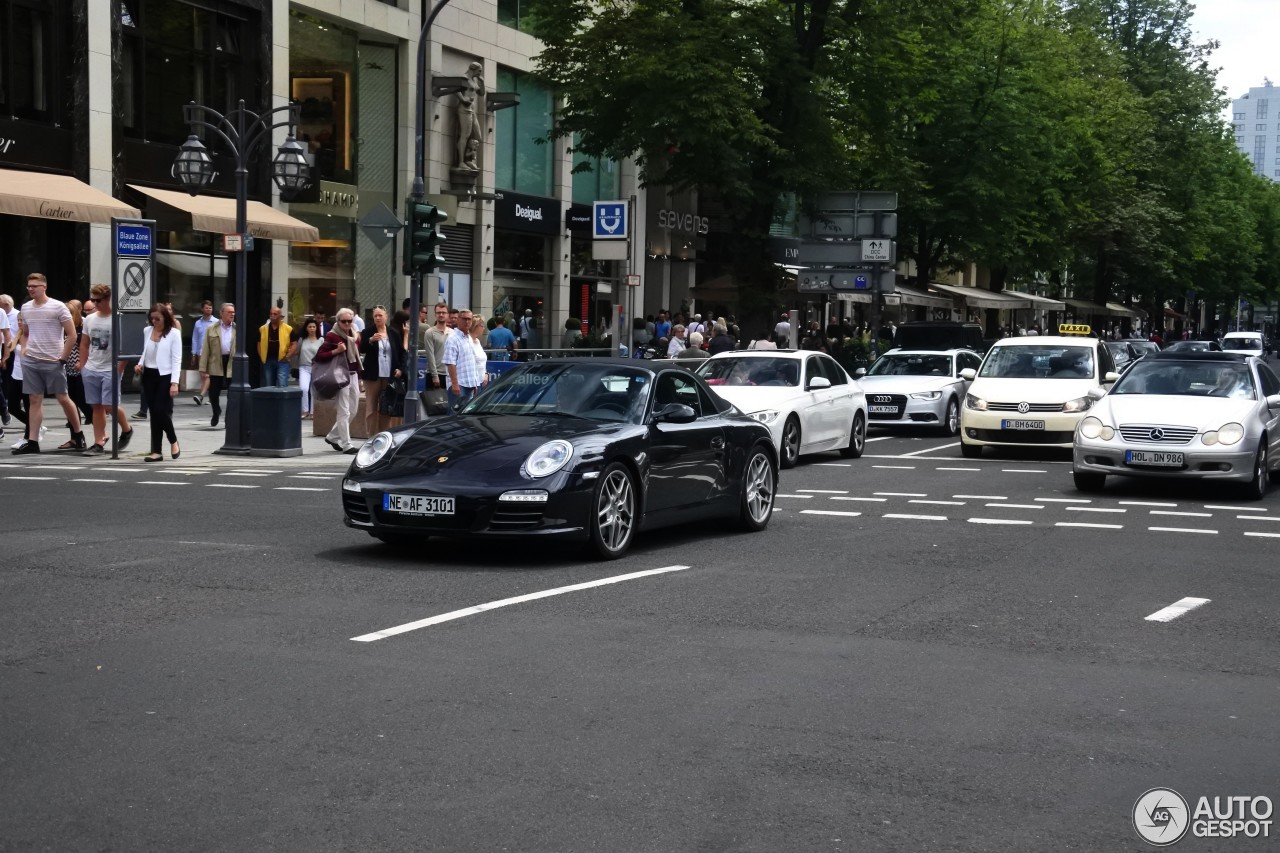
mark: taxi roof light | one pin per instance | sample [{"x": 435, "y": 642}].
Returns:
[{"x": 1081, "y": 329}]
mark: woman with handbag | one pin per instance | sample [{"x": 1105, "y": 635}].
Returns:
[
  {"x": 376, "y": 350},
  {"x": 338, "y": 362},
  {"x": 392, "y": 402}
]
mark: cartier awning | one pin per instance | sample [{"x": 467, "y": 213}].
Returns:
[
  {"x": 976, "y": 297},
  {"x": 218, "y": 215},
  {"x": 58, "y": 197}
]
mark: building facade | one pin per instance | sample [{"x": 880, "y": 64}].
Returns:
[{"x": 1255, "y": 120}]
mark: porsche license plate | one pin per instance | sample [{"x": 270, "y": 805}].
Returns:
[
  {"x": 1157, "y": 458},
  {"x": 883, "y": 410},
  {"x": 417, "y": 504},
  {"x": 1016, "y": 424}
]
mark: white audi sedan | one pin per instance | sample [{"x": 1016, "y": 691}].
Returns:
[
  {"x": 807, "y": 400},
  {"x": 1184, "y": 415},
  {"x": 918, "y": 388}
]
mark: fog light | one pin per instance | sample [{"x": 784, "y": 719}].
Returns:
[
  {"x": 524, "y": 496},
  {"x": 972, "y": 433},
  {"x": 350, "y": 486}
]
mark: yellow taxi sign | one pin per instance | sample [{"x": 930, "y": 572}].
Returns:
[{"x": 1074, "y": 329}]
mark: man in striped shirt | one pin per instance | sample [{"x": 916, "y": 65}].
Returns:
[{"x": 459, "y": 359}]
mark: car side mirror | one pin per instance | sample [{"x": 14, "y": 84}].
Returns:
[
  {"x": 1111, "y": 376},
  {"x": 859, "y": 373},
  {"x": 819, "y": 382},
  {"x": 968, "y": 374},
  {"x": 1096, "y": 394},
  {"x": 1273, "y": 401},
  {"x": 675, "y": 413}
]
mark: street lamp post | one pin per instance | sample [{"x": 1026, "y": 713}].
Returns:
[{"x": 243, "y": 131}]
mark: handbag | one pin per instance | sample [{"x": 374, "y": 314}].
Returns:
[
  {"x": 391, "y": 400},
  {"x": 329, "y": 377}
]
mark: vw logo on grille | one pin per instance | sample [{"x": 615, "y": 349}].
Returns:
[
  {"x": 1023, "y": 408},
  {"x": 882, "y": 398},
  {"x": 1157, "y": 435}
]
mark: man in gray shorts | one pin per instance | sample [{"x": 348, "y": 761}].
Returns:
[
  {"x": 47, "y": 336},
  {"x": 96, "y": 370}
]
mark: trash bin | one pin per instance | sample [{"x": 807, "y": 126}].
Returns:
[{"x": 276, "y": 425}]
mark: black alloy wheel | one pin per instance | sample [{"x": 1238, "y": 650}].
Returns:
[
  {"x": 759, "y": 488},
  {"x": 613, "y": 517}
]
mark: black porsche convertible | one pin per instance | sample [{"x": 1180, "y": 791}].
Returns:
[{"x": 592, "y": 450}]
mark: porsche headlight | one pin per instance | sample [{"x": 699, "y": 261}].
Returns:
[
  {"x": 1092, "y": 428},
  {"x": 548, "y": 459},
  {"x": 374, "y": 449},
  {"x": 765, "y": 417},
  {"x": 1079, "y": 404},
  {"x": 926, "y": 395},
  {"x": 977, "y": 403},
  {"x": 1226, "y": 435}
]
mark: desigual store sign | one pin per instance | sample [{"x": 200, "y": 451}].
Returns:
[{"x": 530, "y": 213}]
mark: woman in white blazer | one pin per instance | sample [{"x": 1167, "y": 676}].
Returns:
[{"x": 161, "y": 360}]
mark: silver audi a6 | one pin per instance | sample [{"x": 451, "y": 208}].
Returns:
[
  {"x": 1204, "y": 415},
  {"x": 920, "y": 388}
]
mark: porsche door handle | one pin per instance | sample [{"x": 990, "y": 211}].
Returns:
[{"x": 717, "y": 444}]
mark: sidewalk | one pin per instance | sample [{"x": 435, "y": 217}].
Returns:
[{"x": 198, "y": 440}]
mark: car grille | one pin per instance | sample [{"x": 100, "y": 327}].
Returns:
[
  {"x": 355, "y": 507},
  {"x": 898, "y": 401},
  {"x": 515, "y": 519},
  {"x": 1142, "y": 434},
  {"x": 1025, "y": 436},
  {"x": 1031, "y": 407}
]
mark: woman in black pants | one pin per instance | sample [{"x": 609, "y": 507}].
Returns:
[{"x": 161, "y": 360}]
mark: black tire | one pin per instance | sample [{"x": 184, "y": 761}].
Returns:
[
  {"x": 951, "y": 421},
  {"x": 857, "y": 437},
  {"x": 1087, "y": 481},
  {"x": 614, "y": 513},
  {"x": 970, "y": 451},
  {"x": 789, "y": 452},
  {"x": 1256, "y": 490},
  {"x": 759, "y": 488}
]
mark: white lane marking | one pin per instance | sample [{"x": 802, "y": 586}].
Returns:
[
  {"x": 1094, "y": 509},
  {"x": 256, "y": 472},
  {"x": 825, "y": 491},
  {"x": 30, "y": 478},
  {"x": 312, "y": 476},
  {"x": 897, "y": 467},
  {"x": 1258, "y": 517},
  {"x": 1000, "y": 521},
  {"x": 1259, "y": 533},
  {"x": 1192, "y": 514},
  {"x": 870, "y": 500},
  {"x": 835, "y": 464},
  {"x": 1023, "y": 471},
  {"x": 55, "y": 467},
  {"x": 1144, "y": 503},
  {"x": 243, "y": 474},
  {"x": 829, "y": 512},
  {"x": 939, "y": 503},
  {"x": 91, "y": 480},
  {"x": 1173, "y": 611},
  {"x": 902, "y": 494},
  {"x": 293, "y": 488},
  {"x": 1236, "y": 508},
  {"x": 915, "y": 517},
  {"x": 957, "y": 469},
  {"x": 802, "y": 497},
  {"x": 931, "y": 449},
  {"x": 1018, "y": 506},
  {"x": 519, "y": 599},
  {"x": 162, "y": 483},
  {"x": 1065, "y": 500},
  {"x": 115, "y": 470},
  {"x": 982, "y": 497},
  {"x": 230, "y": 486},
  {"x": 1180, "y": 530},
  {"x": 1089, "y": 524}
]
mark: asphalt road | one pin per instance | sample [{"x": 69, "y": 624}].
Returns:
[{"x": 921, "y": 653}]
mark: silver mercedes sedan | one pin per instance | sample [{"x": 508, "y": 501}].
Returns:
[
  {"x": 1201, "y": 415},
  {"x": 918, "y": 388}
]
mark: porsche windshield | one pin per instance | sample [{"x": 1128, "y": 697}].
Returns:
[
  {"x": 1188, "y": 379},
  {"x": 751, "y": 370},
  {"x": 903, "y": 364},
  {"x": 1038, "y": 362},
  {"x": 598, "y": 392}
]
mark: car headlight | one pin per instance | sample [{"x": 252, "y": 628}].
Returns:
[
  {"x": 374, "y": 449},
  {"x": 926, "y": 395},
  {"x": 548, "y": 459},
  {"x": 972, "y": 402},
  {"x": 1092, "y": 428},
  {"x": 1079, "y": 404},
  {"x": 1226, "y": 435},
  {"x": 766, "y": 417}
]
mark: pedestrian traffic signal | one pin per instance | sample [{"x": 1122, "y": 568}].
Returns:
[{"x": 422, "y": 239}]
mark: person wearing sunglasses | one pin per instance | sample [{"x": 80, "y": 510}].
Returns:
[
  {"x": 343, "y": 342},
  {"x": 160, "y": 367}
]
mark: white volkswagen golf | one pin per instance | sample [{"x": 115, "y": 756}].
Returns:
[{"x": 1032, "y": 391}]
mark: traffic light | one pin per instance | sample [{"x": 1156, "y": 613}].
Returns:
[{"x": 422, "y": 240}]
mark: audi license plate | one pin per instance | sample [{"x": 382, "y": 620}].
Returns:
[
  {"x": 883, "y": 410},
  {"x": 1158, "y": 458},
  {"x": 1015, "y": 424},
  {"x": 417, "y": 504}
]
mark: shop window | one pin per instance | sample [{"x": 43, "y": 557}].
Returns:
[
  {"x": 595, "y": 179},
  {"x": 33, "y": 82},
  {"x": 515, "y": 252},
  {"x": 322, "y": 78},
  {"x": 514, "y": 14},
  {"x": 522, "y": 153}
]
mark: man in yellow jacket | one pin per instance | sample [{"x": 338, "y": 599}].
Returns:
[{"x": 275, "y": 348}]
